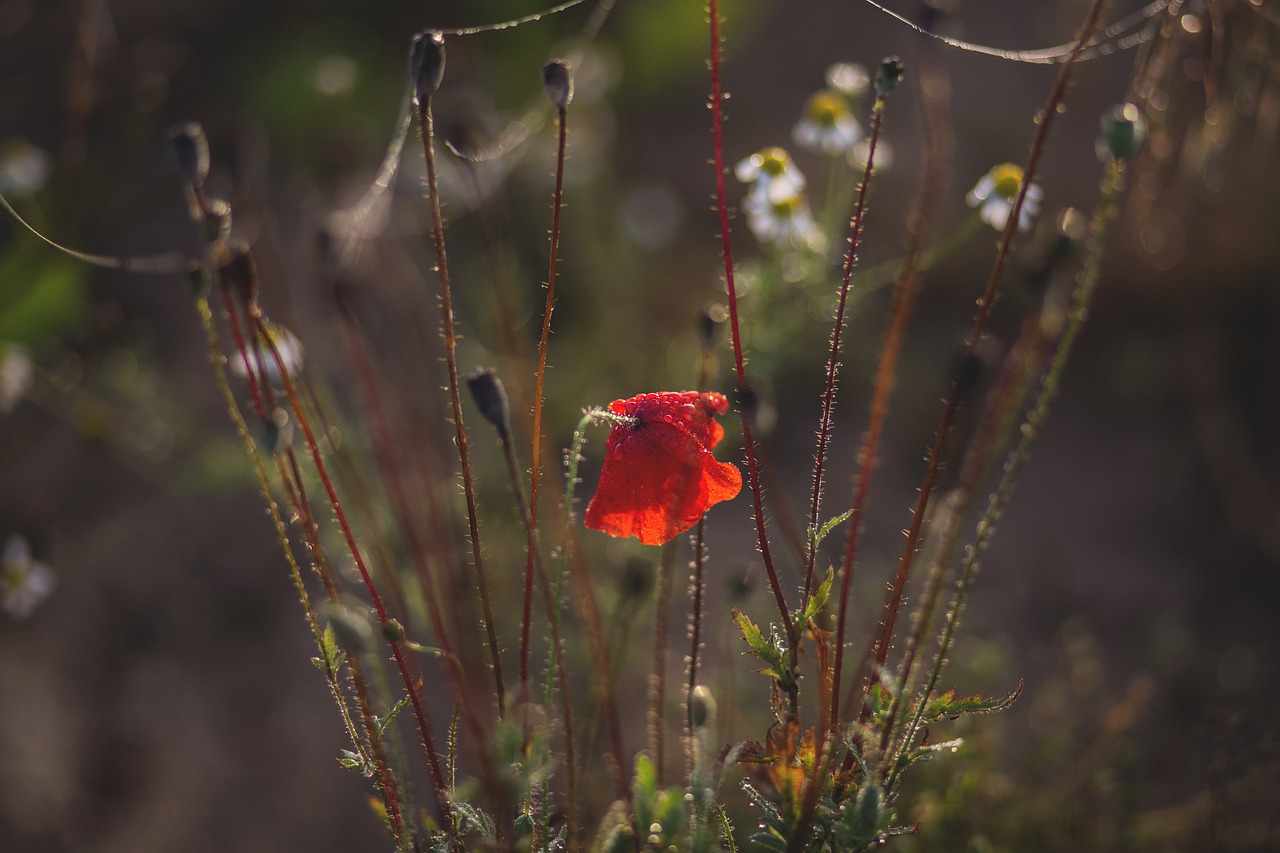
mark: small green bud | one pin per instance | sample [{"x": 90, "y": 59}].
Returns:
[
  {"x": 558, "y": 83},
  {"x": 702, "y": 707},
  {"x": 189, "y": 149},
  {"x": 393, "y": 631},
  {"x": 1123, "y": 131},
  {"x": 888, "y": 76},
  {"x": 426, "y": 64},
  {"x": 275, "y": 434},
  {"x": 491, "y": 398}
]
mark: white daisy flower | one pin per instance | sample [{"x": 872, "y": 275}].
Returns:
[
  {"x": 994, "y": 195},
  {"x": 24, "y": 167},
  {"x": 827, "y": 124},
  {"x": 848, "y": 78},
  {"x": 24, "y": 583},
  {"x": 15, "y": 375},
  {"x": 771, "y": 174},
  {"x": 786, "y": 223}
]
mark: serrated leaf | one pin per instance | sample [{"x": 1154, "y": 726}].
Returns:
[
  {"x": 355, "y": 761},
  {"x": 333, "y": 657},
  {"x": 819, "y": 598},
  {"x": 947, "y": 705},
  {"x": 385, "y": 719},
  {"x": 768, "y": 650},
  {"x": 768, "y": 810},
  {"x": 768, "y": 841},
  {"x": 829, "y": 526},
  {"x": 469, "y": 819}
]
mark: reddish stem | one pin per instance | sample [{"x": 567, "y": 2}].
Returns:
[
  {"x": 427, "y": 124},
  {"x": 419, "y": 709},
  {"x": 833, "y": 362},
  {"x": 753, "y": 474}
]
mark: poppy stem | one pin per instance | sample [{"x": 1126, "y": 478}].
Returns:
[
  {"x": 753, "y": 473},
  {"x": 833, "y": 361},
  {"x": 535, "y": 457},
  {"x": 658, "y": 672},
  {"x": 1077, "y": 313},
  {"x": 426, "y": 123},
  {"x": 1046, "y": 116},
  {"x": 374, "y": 753}
]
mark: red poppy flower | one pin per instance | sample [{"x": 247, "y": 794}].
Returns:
[{"x": 659, "y": 476}]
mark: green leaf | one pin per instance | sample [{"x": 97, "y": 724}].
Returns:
[
  {"x": 355, "y": 761},
  {"x": 385, "y": 719},
  {"x": 467, "y": 818},
  {"x": 947, "y": 705},
  {"x": 825, "y": 529},
  {"x": 333, "y": 656},
  {"x": 818, "y": 600},
  {"x": 768, "y": 650}
]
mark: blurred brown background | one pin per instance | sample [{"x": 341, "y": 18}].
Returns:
[{"x": 162, "y": 698}]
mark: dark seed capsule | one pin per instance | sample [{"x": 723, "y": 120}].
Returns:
[
  {"x": 1122, "y": 133},
  {"x": 558, "y": 83},
  {"x": 426, "y": 64},
  {"x": 190, "y": 152},
  {"x": 491, "y": 398},
  {"x": 888, "y": 75}
]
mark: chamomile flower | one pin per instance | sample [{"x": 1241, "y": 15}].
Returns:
[
  {"x": 24, "y": 583},
  {"x": 994, "y": 195},
  {"x": 827, "y": 124},
  {"x": 771, "y": 174},
  {"x": 786, "y": 222},
  {"x": 15, "y": 375},
  {"x": 848, "y": 78},
  {"x": 24, "y": 167}
]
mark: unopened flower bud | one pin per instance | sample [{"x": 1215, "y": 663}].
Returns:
[
  {"x": 217, "y": 220},
  {"x": 491, "y": 398},
  {"x": 426, "y": 64},
  {"x": 1122, "y": 133},
  {"x": 190, "y": 152},
  {"x": 888, "y": 75},
  {"x": 558, "y": 83},
  {"x": 393, "y": 630},
  {"x": 702, "y": 707}
]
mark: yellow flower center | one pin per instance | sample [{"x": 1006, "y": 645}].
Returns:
[
  {"x": 785, "y": 208},
  {"x": 773, "y": 162},
  {"x": 825, "y": 108},
  {"x": 1008, "y": 179}
]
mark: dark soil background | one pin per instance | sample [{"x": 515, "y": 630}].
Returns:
[{"x": 162, "y": 699}]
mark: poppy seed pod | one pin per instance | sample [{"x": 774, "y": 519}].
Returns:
[
  {"x": 888, "y": 75},
  {"x": 426, "y": 64},
  {"x": 189, "y": 149},
  {"x": 491, "y": 398},
  {"x": 558, "y": 83},
  {"x": 1122, "y": 133}
]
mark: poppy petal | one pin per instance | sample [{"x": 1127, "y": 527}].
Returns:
[{"x": 659, "y": 477}]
